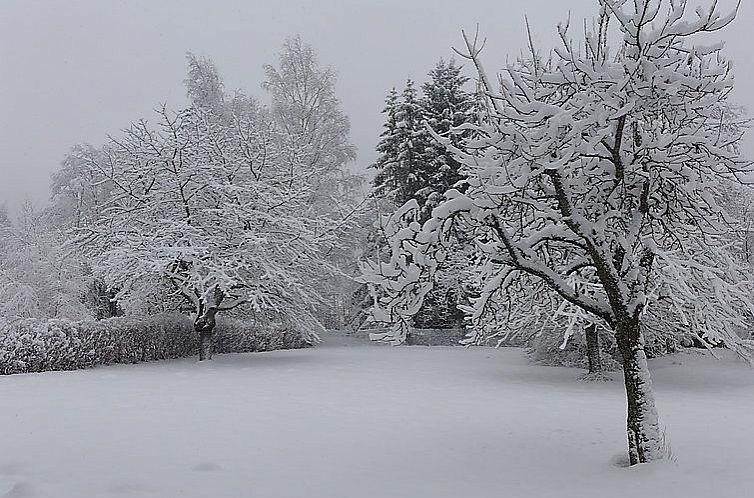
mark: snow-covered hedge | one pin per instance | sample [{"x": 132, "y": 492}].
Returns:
[
  {"x": 39, "y": 345},
  {"x": 235, "y": 335}
]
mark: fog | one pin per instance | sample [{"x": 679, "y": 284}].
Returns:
[{"x": 75, "y": 71}]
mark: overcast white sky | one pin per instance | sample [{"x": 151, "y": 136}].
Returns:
[{"x": 73, "y": 71}]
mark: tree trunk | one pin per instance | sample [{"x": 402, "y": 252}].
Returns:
[
  {"x": 205, "y": 345},
  {"x": 593, "y": 349},
  {"x": 645, "y": 442},
  {"x": 204, "y": 325}
]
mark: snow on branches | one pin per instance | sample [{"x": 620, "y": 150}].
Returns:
[
  {"x": 598, "y": 174},
  {"x": 220, "y": 200}
]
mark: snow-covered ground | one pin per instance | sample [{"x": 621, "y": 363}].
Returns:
[{"x": 351, "y": 420}]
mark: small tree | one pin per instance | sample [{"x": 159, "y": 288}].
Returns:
[{"x": 599, "y": 175}]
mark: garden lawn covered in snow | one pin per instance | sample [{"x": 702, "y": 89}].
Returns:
[{"x": 353, "y": 420}]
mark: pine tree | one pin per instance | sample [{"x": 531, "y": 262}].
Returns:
[
  {"x": 401, "y": 172},
  {"x": 385, "y": 180},
  {"x": 446, "y": 105},
  {"x": 414, "y": 165}
]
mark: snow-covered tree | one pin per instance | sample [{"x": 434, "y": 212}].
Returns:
[
  {"x": 305, "y": 105},
  {"x": 413, "y": 165},
  {"x": 77, "y": 194},
  {"x": 599, "y": 174},
  {"x": 215, "y": 199},
  {"x": 386, "y": 178},
  {"x": 403, "y": 147},
  {"x": 5, "y": 222},
  {"x": 204, "y": 87},
  {"x": 39, "y": 276},
  {"x": 446, "y": 106}
]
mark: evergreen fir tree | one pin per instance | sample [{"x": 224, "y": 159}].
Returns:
[
  {"x": 401, "y": 171},
  {"x": 413, "y": 165},
  {"x": 385, "y": 180},
  {"x": 445, "y": 106}
]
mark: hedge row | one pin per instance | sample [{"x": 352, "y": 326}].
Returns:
[{"x": 41, "y": 345}]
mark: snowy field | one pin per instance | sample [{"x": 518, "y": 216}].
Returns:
[{"x": 352, "y": 420}]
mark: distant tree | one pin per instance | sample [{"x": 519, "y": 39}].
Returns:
[
  {"x": 5, "y": 222},
  {"x": 77, "y": 195},
  {"x": 39, "y": 276},
  {"x": 204, "y": 87},
  {"x": 401, "y": 166},
  {"x": 600, "y": 175},
  {"x": 305, "y": 105},
  {"x": 386, "y": 179},
  {"x": 446, "y": 106},
  {"x": 414, "y": 165}
]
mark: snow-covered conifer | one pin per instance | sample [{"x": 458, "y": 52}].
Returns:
[
  {"x": 446, "y": 106},
  {"x": 403, "y": 147}
]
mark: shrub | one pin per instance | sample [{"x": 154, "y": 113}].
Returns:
[
  {"x": 36, "y": 345},
  {"x": 234, "y": 335}
]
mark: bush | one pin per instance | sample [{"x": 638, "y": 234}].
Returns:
[{"x": 36, "y": 345}]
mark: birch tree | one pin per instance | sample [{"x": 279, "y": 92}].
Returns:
[
  {"x": 305, "y": 107},
  {"x": 598, "y": 174}
]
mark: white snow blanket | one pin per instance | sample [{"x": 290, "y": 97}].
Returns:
[{"x": 347, "y": 420}]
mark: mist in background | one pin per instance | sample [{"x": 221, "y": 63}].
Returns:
[{"x": 75, "y": 71}]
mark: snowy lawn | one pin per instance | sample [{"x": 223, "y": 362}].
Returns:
[{"x": 349, "y": 420}]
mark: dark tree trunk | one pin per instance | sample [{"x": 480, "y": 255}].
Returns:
[
  {"x": 644, "y": 436},
  {"x": 112, "y": 305},
  {"x": 205, "y": 345},
  {"x": 204, "y": 327},
  {"x": 593, "y": 349}
]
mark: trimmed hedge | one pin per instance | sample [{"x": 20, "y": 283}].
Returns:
[
  {"x": 41, "y": 345},
  {"x": 234, "y": 335}
]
